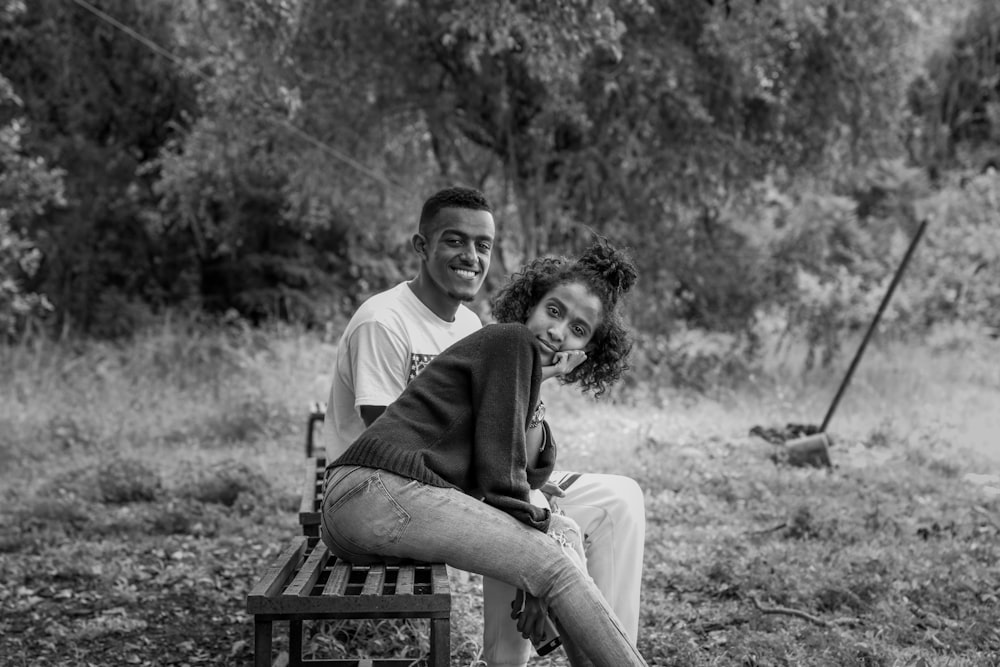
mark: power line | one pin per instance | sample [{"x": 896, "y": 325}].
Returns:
[{"x": 282, "y": 122}]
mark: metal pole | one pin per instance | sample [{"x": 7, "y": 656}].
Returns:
[{"x": 871, "y": 328}]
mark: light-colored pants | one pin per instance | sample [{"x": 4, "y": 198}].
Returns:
[
  {"x": 370, "y": 514},
  {"x": 610, "y": 511}
]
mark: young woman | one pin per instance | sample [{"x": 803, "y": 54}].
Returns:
[{"x": 445, "y": 473}]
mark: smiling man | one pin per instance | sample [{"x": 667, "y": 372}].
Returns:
[{"x": 396, "y": 333}]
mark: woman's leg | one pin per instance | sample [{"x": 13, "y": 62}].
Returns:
[{"x": 367, "y": 512}]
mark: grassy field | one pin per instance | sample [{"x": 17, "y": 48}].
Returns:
[{"x": 146, "y": 486}]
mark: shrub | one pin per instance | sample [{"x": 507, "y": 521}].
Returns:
[
  {"x": 956, "y": 276},
  {"x": 127, "y": 481},
  {"x": 691, "y": 360},
  {"x": 228, "y": 483}
]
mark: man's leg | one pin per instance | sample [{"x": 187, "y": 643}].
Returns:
[
  {"x": 503, "y": 645},
  {"x": 611, "y": 512}
]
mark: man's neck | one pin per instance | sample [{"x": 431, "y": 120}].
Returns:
[{"x": 440, "y": 304}]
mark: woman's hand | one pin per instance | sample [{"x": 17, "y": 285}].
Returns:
[
  {"x": 530, "y": 613},
  {"x": 563, "y": 363}
]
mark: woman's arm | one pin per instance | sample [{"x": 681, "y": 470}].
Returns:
[{"x": 505, "y": 384}]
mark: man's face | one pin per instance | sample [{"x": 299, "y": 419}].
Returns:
[{"x": 458, "y": 251}]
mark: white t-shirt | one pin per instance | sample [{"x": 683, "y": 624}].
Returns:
[{"x": 390, "y": 339}]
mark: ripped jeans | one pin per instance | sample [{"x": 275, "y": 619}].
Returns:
[{"x": 372, "y": 514}]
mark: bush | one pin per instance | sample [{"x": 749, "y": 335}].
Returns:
[
  {"x": 228, "y": 483},
  {"x": 691, "y": 360},
  {"x": 956, "y": 275},
  {"x": 127, "y": 481}
]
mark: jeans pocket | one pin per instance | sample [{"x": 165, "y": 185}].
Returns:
[{"x": 366, "y": 516}]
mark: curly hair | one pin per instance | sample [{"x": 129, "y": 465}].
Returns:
[{"x": 606, "y": 272}]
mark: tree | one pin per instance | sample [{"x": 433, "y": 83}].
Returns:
[
  {"x": 956, "y": 101},
  {"x": 28, "y": 188},
  {"x": 645, "y": 120},
  {"x": 273, "y": 168},
  {"x": 100, "y": 106}
]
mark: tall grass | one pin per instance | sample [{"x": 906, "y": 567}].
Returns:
[
  {"x": 183, "y": 390},
  {"x": 177, "y": 389},
  {"x": 944, "y": 393}
]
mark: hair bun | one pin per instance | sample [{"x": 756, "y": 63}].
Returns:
[{"x": 611, "y": 264}]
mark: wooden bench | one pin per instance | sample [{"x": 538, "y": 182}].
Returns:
[{"x": 307, "y": 582}]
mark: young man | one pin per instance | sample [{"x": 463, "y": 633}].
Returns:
[{"x": 395, "y": 333}]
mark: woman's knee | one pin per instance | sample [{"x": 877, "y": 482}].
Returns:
[
  {"x": 562, "y": 568},
  {"x": 567, "y": 533}
]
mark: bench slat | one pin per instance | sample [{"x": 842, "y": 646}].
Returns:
[
  {"x": 337, "y": 583},
  {"x": 292, "y": 592},
  {"x": 309, "y": 573},
  {"x": 439, "y": 578},
  {"x": 353, "y": 606},
  {"x": 404, "y": 581},
  {"x": 279, "y": 569},
  {"x": 374, "y": 580}
]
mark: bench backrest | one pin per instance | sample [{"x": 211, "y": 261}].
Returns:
[{"x": 312, "y": 495}]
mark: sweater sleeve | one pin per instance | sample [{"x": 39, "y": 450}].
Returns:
[{"x": 501, "y": 395}]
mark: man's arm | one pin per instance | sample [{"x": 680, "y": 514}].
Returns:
[
  {"x": 370, "y": 413},
  {"x": 371, "y": 370}
]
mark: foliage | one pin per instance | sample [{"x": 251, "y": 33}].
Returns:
[
  {"x": 828, "y": 263},
  {"x": 955, "y": 102},
  {"x": 751, "y": 153},
  {"x": 958, "y": 273},
  {"x": 692, "y": 362},
  {"x": 28, "y": 189},
  {"x": 127, "y": 481},
  {"x": 98, "y": 107},
  {"x": 570, "y": 116},
  {"x": 620, "y": 124},
  {"x": 833, "y": 256},
  {"x": 277, "y": 214},
  {"x": 679, "y": 153}
]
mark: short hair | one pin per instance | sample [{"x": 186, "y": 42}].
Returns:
[{"x": 455, "y": 197}]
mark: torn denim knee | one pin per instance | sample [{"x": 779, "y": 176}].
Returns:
[{"x": 568, "y": 535}]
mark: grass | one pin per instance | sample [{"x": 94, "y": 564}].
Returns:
[{"x": 146, "y": 486}]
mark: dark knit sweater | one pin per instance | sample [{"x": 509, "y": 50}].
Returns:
[{"x": 461, "y": 423}]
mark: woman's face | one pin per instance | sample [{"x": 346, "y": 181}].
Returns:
[{"x": 564, "y": 319}]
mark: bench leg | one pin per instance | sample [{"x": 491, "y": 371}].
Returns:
[
  {"x": 294, "y": 643},
  {"x": 440, "y": 641},
  {"x": 261, "y": 643}
]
